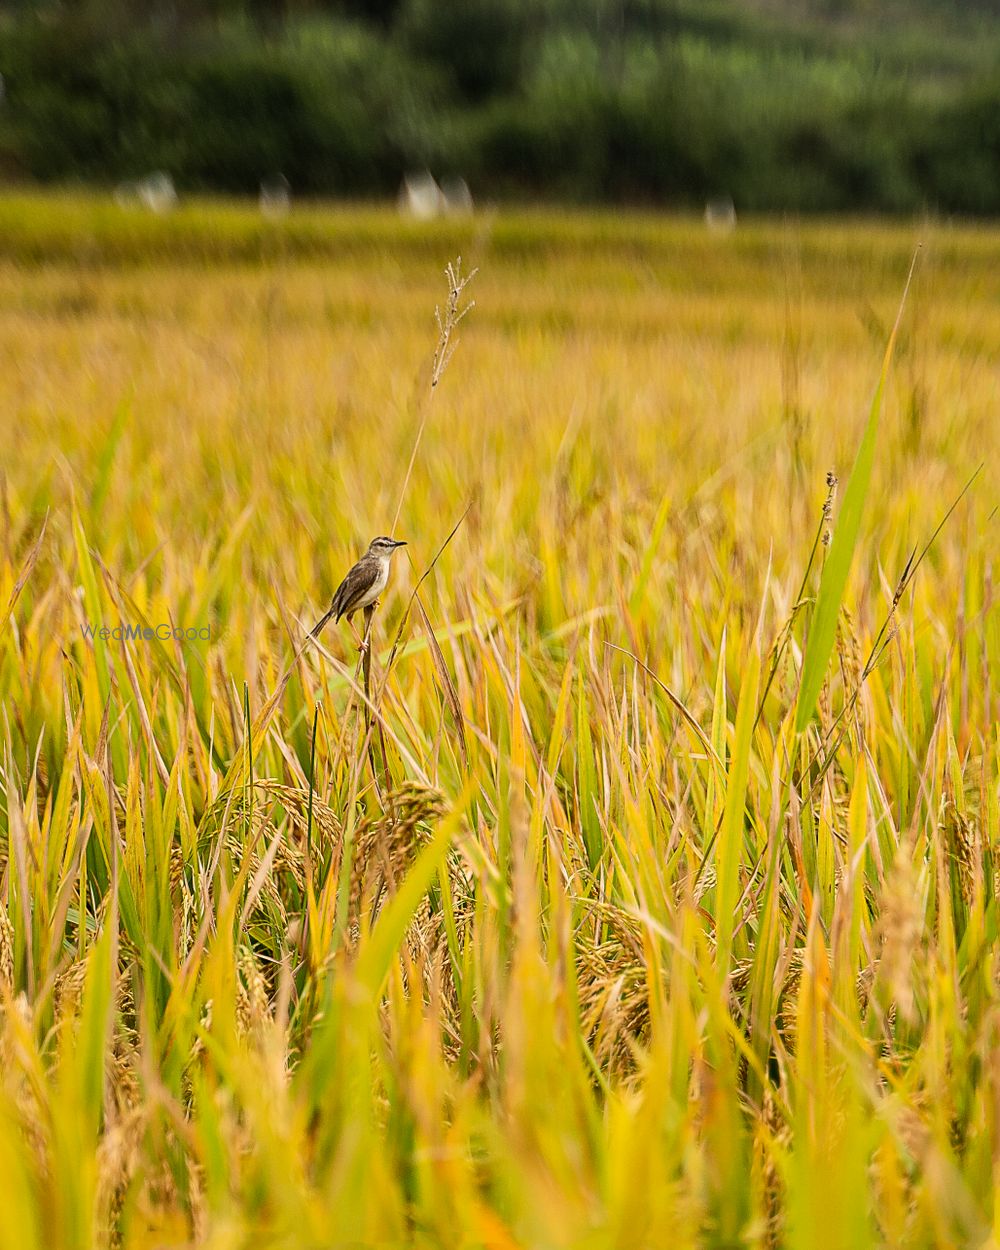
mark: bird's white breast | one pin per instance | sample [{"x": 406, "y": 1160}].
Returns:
[{"x": 377, "y": 586}]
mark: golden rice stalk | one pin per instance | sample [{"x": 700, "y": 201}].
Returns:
[
  {"x": 900, "y": 928},
  {"x": 6, "y": 952}
]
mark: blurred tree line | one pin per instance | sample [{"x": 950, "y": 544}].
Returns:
[{"x": 799, "y": 104}]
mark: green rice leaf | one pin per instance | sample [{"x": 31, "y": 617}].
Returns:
[{"x": 833, "y": 581}]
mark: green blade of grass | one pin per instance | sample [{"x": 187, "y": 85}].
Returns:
[{"x": 833, "y": 581}]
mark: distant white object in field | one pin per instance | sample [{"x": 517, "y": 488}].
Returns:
[
  {"x": 720, "y": 215},
  {"x": 157, "y": 193},
  {"x": 420, "y": 197},
  {"x": 276, "y": 197},
  {"x": 457, "y": 197}
]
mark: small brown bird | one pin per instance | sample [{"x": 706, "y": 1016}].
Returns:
[{"x": 364, "y": 583}]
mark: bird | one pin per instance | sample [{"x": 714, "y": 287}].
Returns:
[{"x": 363, "y": 584}]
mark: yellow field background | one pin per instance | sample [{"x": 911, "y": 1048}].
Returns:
[{"x": 584, "y": 942}]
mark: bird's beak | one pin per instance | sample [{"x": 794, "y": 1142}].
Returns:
[{"x": 400, "y": 542}]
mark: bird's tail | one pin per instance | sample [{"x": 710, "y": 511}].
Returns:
[{"x": 314, "y": 632}]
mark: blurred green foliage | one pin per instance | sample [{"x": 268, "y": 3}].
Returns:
[{"x": 826, "y": 105}]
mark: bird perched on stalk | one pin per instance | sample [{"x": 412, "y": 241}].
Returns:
[{"x": 363, "y": 584}]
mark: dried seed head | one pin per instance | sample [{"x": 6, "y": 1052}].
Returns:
[
  {"x": 771, "y": 1141},
  {"x": 831, "y": 490},
  {"x": 448, "y": 319},
  {"x": 849, "y": 650},
  {"x": 959, "y": 836}
]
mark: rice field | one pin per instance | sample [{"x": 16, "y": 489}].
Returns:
[{"x": 642, "y": 889}]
